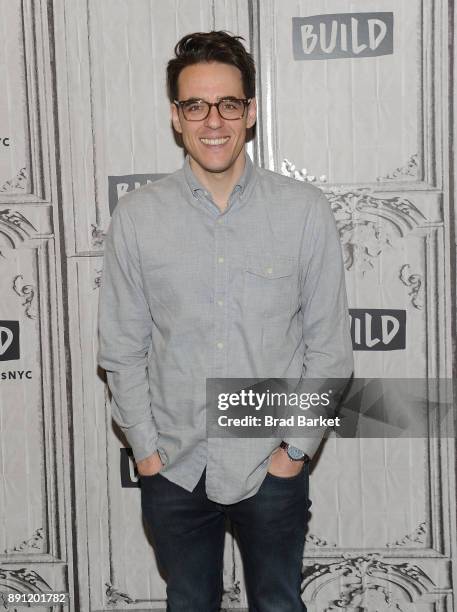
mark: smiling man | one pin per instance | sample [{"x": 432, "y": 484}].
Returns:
[
  {"x": 215, "y": 142},
  {"x": 220, "y": 270}
]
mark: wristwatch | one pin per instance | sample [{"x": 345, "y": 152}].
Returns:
[{"x": 294, "y": 453}]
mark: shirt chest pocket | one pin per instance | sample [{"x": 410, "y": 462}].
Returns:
[{"x": 270, "y": 284}]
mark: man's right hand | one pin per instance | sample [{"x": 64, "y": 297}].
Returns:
[{"x": 149, "y": 466}]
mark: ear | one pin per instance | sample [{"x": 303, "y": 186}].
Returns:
[
  {"x": 252, "y": 113},
  {"x": 175, "y": 118}
]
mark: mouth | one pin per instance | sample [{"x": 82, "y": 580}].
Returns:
[{"x": 215, "y": 142}]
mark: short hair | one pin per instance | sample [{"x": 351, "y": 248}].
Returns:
[{"x": 212, "y": 46}]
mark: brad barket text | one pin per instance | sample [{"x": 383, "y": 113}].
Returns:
[{"x": 298, "y": 420}]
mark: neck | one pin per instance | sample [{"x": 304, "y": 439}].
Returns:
[{"x": 220, "y": 184}]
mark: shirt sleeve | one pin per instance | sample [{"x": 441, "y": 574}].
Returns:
[
  {"x": 328, "y": 360},
  {"x": 125, "y": 325}
]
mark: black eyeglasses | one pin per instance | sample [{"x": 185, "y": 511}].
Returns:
[{"x": 228, "y": 108}]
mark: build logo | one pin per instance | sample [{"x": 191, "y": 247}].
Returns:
[
  {"x": 342, "y": 35},
  {"x": 9, "y": 340},
  {"x": 129, "y": 475},
  {"x": 377, "y": 329},
  {"x": 120, "y": 185}
]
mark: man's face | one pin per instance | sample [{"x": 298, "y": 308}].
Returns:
[{"x": 211, "y": 82}]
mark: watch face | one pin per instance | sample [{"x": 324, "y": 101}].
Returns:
[{"x": 295, "y": 453}]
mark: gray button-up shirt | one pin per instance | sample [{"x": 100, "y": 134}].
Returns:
[{"x": 189, "y": 293}]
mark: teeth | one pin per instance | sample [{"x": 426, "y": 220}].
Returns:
[{"x": 214, "y": 141}]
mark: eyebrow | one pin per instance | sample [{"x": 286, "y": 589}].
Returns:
[{"x": 218, "y": 99}]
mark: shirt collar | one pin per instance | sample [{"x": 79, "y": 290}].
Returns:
[{"x": 243, "y": 182}]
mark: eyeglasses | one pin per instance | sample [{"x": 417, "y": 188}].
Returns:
[{"x": 228, "y": 108}]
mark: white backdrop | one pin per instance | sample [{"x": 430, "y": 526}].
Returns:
[{"x": 84, "y": 118}]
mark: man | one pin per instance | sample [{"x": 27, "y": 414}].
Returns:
[{"x": 221, "y": 269}]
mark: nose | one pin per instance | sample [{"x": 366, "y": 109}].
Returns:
[{"x": 213, "y": 120}]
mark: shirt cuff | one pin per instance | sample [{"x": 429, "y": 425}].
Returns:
[{"x": 142, "y": 439}]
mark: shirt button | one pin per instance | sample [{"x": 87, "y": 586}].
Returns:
[
  {"x": 220, "y": 260},
  {"x": 220, "y": 345},
  {"x": 220, "y": 302},
  {"x": 220, "y": 220},
  {"x": 269, "y": 270}
]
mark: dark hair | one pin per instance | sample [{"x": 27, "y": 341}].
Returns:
[{"x": 211, "y": 47}]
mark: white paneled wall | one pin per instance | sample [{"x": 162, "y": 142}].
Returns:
[{"x": 84, "y": 107}]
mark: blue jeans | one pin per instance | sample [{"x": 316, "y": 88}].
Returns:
[{"x": 189, "y": 531}]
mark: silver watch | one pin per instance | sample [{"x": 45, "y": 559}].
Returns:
[{"x": 294, "y": 453}]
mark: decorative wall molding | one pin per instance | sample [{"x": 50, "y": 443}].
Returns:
[
  {"x": 98, "y": 236},
  {"x": 27, "y": 292},
  {"x": 23, "y": 580},
  {"x": 17, "y": 183},
  {"x": 14, "y": 227},
  {"x": 414, "y": 282},
  {"x": 317, "y": 541},
  {"x": 367, "y": 578},
  {"x": 230, "y": 596},
  {"x": 97, "y": 279},
  {"x": 289, "y": 169},
  {"x": 35, "y": 542},
  {"x": 368, "y": 224},
  {"x": 43, "y": 400},
  {"x": 432, "y": 25},
  {"x": 408, "y": 171},
  {"x": 33, "y": 112},
  {"x": 417, "y": 536},
  {"x": 374, "y": 598},
  {"x": 114, "y": 596},
  {"x": 231, "y": 589}
]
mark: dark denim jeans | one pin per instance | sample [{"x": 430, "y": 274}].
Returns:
[{"x": 189, "y": 532}]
